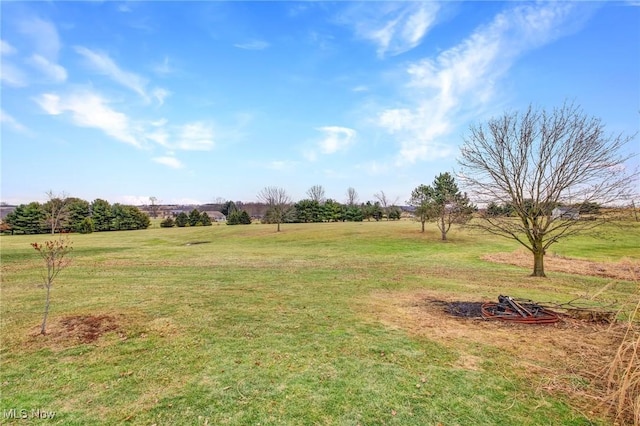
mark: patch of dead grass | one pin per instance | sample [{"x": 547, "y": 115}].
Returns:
[
  {"x": 77, "y": 329},
  {"x": 625, "y": 269},
  {"x": 564, "y": 358}
]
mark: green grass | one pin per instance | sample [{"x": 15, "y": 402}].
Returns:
[{"x": 242, "y": 325}]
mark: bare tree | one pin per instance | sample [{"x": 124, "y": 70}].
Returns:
[
  {"x": 316, "y": 193},
  {"x": 153, "y": 207},
  {"x": 278, "y": 203},
  {"x": 537, "y": 161},
  {"x": 219, "y": 200},
  {"x": 352, "y": 196},
  {"x": 56, "y": 209},
  {"x": 54, "y": 255},
  {"x": 385, "y": 202}
]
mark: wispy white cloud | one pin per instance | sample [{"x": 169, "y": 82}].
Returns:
[
  {"x": 394, "y": 27},
  {"x": 185, "y": 201},
  {"x": 44, "y": 36},
  {"x": 336, "y": 139},
  {"x": 133, "y": 200},
  {"x": 14, "y": 124},
  {"x": 164, "y": 67},
  {"x": 253, "y": 45},
  {"x": 374, "y": 167},
  {"x": 88, "y": 109},
  {"x": 124, "y": 8},
  {"x": 171, "y": 162},
  {"x": 46, "y": 45},
  {"x": 360, "y": 88},
  {"x": 52, "y": 71},
  {"x": 160, "y": 94},
  {"x": 279, "y": 165},
  {"x": 160, "y": 136},
  {"x": 196, "y": 136},
  {"x": 463, "y": 79},
  {"x": 103, "y": 64},
  {"x": 12, "y": 76},
  {"x": 6, "y": 48}
]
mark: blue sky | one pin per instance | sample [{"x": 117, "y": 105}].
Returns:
[{"x": 189, "y": 102}]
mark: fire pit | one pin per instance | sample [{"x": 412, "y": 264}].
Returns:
[{"x": 510, "y": 309}]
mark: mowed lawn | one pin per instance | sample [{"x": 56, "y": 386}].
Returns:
[{"x": 242, "y": 325}]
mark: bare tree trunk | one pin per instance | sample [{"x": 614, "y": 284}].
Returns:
[
  {"x": 443, "y": 229},
  {"x": 278, "y": 229},
  {"x": 46, "y": 312},
  {"x": 538, "y": 262},
  {"x": 423, "y": 225}
]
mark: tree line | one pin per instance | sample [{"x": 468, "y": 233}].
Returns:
[
  {"x": 194, "y": 218},
  {"x": 521, "y": 165},
  {"x": 441, "y": 202},
  {"x": 69, "y": 214}
]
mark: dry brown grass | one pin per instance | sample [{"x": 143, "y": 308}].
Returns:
[
  {"x": 626, "y": 269},
  {"x": 98, "y": 329},
  {"x": 622, "y": 374},
  {"x": 563, "y": 359}
]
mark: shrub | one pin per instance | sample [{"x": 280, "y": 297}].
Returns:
[
  {"x": 205, "y": 220},
  {"x": 167, "y": 223},
  {"x": 86, "y": 226},
  {"x": 239, "y": 218},
  {"x": 182, "y": 219}
]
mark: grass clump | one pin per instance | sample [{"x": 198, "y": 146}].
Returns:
[{"x": 622, "y": 376}]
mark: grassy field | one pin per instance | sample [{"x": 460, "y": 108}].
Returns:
[{"x": 319, "y": 324}]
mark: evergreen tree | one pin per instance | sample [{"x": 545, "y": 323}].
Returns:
[
  {"x": 307, "y": 211},
  {"x": 245, "y": 219},
  {"x": 333, "y": 211},
  {"x": 205, "y": 220},
  {"x": 77, "y": 211},
  {"x": 27, "y": 219},
  {"x": 182, "y": 219},
  {"x": 85, "y": 226},
  {"x": 449, "y": 204},
  {"x": 228, "y": 208},
  {"x": 239, "y": 218},
  {"x": 167, "y": 223},
  {"x": 353, "y": 214},
  {"x": 101, "y": 215},
  {"x": 422, "y": 200},
  {"x": 194, "y": 217}
]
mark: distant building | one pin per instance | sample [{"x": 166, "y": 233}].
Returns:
[
  {"x": 572, "y": 213},
  {"x": 5, "y": 210},
  {"x": 215, "y": 216}
]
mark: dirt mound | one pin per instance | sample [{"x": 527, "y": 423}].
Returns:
[{"x": 86, "y": 328}]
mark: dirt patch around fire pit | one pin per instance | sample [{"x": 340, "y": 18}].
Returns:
[{"x": 460, "y": 309}]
